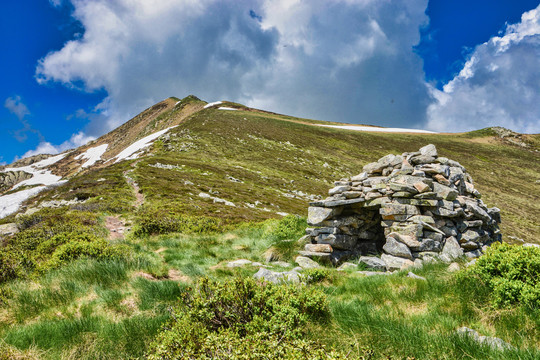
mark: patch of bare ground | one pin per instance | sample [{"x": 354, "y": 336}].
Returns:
[
  {"x": 177, "y": 275},
  {"x": 116, "y": 226}
]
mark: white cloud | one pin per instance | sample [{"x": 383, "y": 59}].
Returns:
[
  {"x": 17, "y": 107},
  {"x": 344, "y": 60},
  {"x": 498, "y": 85},
  {"x": 45, "y": 147}
]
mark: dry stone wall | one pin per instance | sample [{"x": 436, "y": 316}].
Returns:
[{"x": 411, "y": 208}]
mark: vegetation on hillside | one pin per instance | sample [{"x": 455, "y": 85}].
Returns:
[{"x": 217, "y": 188}]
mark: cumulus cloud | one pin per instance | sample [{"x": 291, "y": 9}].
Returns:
[
  {"x": 343, "y": 60},
  {"x": 45, "y": 147},
  {"x": 498, "y": 85}
]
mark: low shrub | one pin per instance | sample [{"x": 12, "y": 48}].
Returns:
[
  {"x": 155, "y": 222},
  {"x": 243, "y": 319},
  {"x": 511, "y": 272}
]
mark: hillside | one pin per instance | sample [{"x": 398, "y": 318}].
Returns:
[
  {"x": 268, "y": 164},
  {"x": 103, "y": 245}
]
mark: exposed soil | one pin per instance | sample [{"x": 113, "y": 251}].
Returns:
[
  {"x": 116, "y": 226},
  {"x": 139, "y": 197}
]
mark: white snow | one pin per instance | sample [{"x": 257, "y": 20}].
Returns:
[
  {"x": 226, "y": 108},
  {"x": 40, "y": 176},
  {"x": 377, "y": 129},
  {"x": 11, "y": 203},
  {"x": 93, "y": 155},
  {"x": 129, "y": 152},
  {"x": 212, "y": 104}
]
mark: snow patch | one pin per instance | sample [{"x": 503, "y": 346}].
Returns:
[
  {"x": 132, "y": 151},
  {"x": 226, "y": 108},
  {"x": 11, "y": 203},
  {"x": 93, "y": 155},
  {"x": 377, "y": 129},
  {"x": 212, "y": 104}
]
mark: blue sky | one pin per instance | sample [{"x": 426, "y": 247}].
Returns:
[{"x": 74, "y": 70}]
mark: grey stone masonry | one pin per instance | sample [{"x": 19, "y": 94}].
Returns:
[{"x": 411, "y": 207}]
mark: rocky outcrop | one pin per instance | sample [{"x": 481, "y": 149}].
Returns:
[
  {"x": 11, "y": 178},
  {"x": 412, "y": 208}
]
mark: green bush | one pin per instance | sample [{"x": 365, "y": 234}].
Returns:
[
  {"x": 85, "y": 247},
  {"x": 291, "y": 227},
  {"x": 151, "y": 223},
  {"x": 511, "y": 272},
  {"x": 243, "y": 319}
]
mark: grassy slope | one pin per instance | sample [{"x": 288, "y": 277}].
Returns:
[{"x": 104, "y": 306}]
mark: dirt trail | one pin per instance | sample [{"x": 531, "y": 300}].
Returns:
[
  {"x": 116, "y": 226},
  {"x": 139, "y": 197}
]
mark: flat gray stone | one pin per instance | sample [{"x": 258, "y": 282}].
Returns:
[
  {"x": 396, "y": 263},
  {"x": 239, "y": 263},
  {"x": 277, "y": 277},
  {"x": 317, "y": 215},
  {"x": 452, "y": 249},
  {"x": 493, "y": 342},
  {"x": 306, "y": 263},
  {"x": 396, "y": 248},
  {"x": 414, "y": 276},
  {"x": 373, "y": 262},
  {"x": 373, "y": 273}
]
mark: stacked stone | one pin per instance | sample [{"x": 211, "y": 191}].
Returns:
[{"x": 412, "y": 207}]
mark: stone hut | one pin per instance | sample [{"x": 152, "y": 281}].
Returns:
[{"x": 412, "y": 208}]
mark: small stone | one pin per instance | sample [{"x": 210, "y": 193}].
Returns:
[
  {"x": 373, "y": 262},
  {"x": 454, "y": 267},
  {"x": 441, "y": 179},
  {"x": 445, "y": 192},
  {"x": 277, "y": 277},
  {"x": 238, "y": 263},
  {"x": 360, "y": 177},
  {"x": 414, "y": 276},
  {"x": 347, "y": 266},
  {"x": 324, "y": 248},
  {"x": 405, "y": 239},
  {"x": 396, "y": 263},
  {"x": 306, "y": 263},
  {"x": 421, "y": 187},
  {"x": 338, "y": 190},
  {"x": 316, "y": 215},
  {"x": 372, "y": 273},
  {"x": 429, "y": 150}
]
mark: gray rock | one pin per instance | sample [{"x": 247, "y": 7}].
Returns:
[
  {"x": 454, "y": 267},
  {"x": 473, "y": 254},
  {"x": 282, "y": 264},
  {"x": 324, "y": 248},
  {"x": 372, "y": 273},
  {"x": 338, "y": 190},
  {"x": 414, "y": 276},
  {"x": 396, "y": 263},
  {"x": 421, "y": 159},
  {"x": 492, "y": 342},
  {"x": 322, "y": 257},
  {"x": 429, "y": 150},
  {"x": 452, "y": 249},
  {"x": 239, "y": 263},
  {"x": 396, "y": 248},
  {"x": 306, "y": 263},
  {"x": 277, "y": 277},
  {"x": 8, "y": 229},
  {"x": 444, "y": 191},
  {"x": 347, "y": 266},
  {"x": 360, "y": 177},
  {"x": 317, "y": 215},
  {"x": 373, "y": 262},
  {"x": 531, "y": 245},
  {"x": 408, "y": 240}
]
